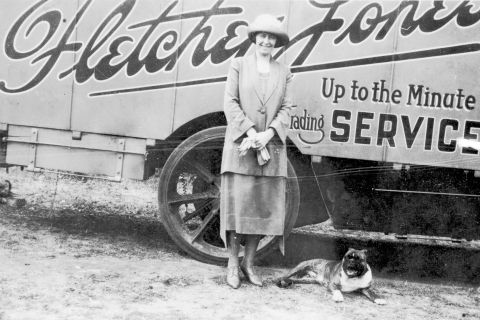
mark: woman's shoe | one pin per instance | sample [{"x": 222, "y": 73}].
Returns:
[
  {"x": 233, "y": 278},
  {"x": 252, "y": 277}
]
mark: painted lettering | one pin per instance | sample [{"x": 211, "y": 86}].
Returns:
[
  {"x": 469, "y": 135},
  {"x": 345, "y": 127},
  {"x": 442, "y": 144},
  {"x": 361, "y": 126},
  {"x": 446, "y": 129},
  {"x": 371, "y": 20},
  {"x": 410, "y": 135},
  {"x": 51, "y": 55},
  {"x": 383, "y": 132}
]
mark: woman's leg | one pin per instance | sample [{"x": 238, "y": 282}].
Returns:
[
  {"x": 251, "y": 244},
  {"x": 233, "y": 246}
]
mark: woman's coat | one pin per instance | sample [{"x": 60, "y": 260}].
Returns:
[{"x": 245, "y": 107}]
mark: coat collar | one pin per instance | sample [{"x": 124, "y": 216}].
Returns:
[{"x": 273, "y": 79}]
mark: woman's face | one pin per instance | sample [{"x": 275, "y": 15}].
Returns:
[{"x": 265, "y": 43}]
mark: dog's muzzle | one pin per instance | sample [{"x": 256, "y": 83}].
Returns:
[{"x": 354, "y": 268}]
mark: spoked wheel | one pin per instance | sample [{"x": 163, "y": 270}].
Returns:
[{"x": 189, "y": 198}]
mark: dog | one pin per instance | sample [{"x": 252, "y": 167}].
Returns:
[{"x": 350, "y": 274}]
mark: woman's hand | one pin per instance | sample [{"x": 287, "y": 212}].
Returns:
[
  {"x": 247, "y": 143},
  {"x": 251, "y": 132},
  {"x": 262, "y": 138}
]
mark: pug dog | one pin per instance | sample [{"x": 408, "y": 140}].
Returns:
[{"x": 350, "y": 274}]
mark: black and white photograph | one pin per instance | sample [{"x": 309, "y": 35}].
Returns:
[{"x": 239, "y": 159}]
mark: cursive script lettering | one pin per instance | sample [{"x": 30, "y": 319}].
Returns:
[
  {"x": 51, "y": 55},
  {"x": 111, "y": 53}
]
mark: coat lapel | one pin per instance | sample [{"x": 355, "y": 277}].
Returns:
[
  {"x": 253, "y": 75},
  {"x": 272, "y": 79}
]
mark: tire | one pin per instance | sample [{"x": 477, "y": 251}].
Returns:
[{"x": 188, "y": 197}]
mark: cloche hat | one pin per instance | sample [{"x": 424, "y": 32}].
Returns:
[{"x": 270, "y": 24}]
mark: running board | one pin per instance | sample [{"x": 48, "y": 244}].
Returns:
[{"x": 326, "y": 230}]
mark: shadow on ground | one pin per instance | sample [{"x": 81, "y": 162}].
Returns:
[
  {"x": 413, "y": 262},
  {"x": 144, "y": 231},
  {"x": 406, "y": 261}
]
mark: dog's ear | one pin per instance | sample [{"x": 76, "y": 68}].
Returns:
[{"x": 364, "y": 251}]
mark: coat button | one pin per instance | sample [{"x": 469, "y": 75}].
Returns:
[{"x": 262, "y": 110}]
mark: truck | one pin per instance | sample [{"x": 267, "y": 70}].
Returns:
[{"x": 384, "y": 137}]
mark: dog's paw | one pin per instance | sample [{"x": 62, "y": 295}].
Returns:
[
  {"x": 380, "y": 301},
  {"x": 337, "y": 296},
  {"x": 284, "y": 283}
]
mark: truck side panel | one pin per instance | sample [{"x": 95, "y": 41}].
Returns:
[
  {"x": 435, "y": 91},
  {"x": 366, "y": 72},
  {"x": 391, "y": 81},
  {"x": 146, "y": 114},
  {"x": 94, "y": 154},
  {"x": 24, "y": 98},
  {"x": 323, "y": 78}
]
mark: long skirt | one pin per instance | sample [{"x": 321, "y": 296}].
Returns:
[{"x": 252, "y": 205}]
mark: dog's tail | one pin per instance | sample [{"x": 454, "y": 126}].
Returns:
[{"x": 283, "y": 282}]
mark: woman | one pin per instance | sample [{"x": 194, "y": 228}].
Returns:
[{"x": 254, "y": 164}]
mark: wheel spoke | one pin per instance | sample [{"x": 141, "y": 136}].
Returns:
[
  {"x": 187, "y": 198},
  {"x": 197, "y": 212},
  {"x": 204, "y": 172},
  {"x": 201, "y": 229}
]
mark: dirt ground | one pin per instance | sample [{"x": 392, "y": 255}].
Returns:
[{"x": 91, "y": 249}]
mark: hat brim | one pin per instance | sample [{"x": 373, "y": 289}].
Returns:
[{"x": 282, "y": 37}]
